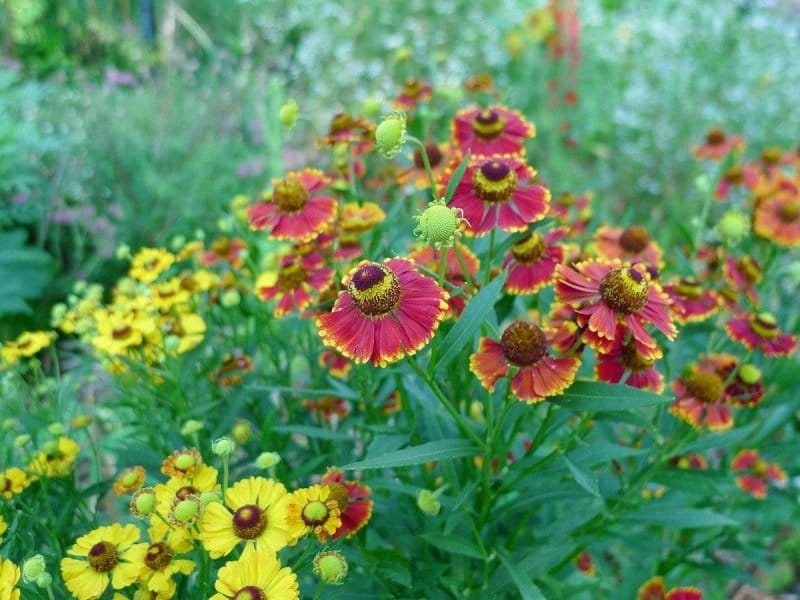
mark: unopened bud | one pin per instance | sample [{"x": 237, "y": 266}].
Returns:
[{"x": 330, "y": 566}]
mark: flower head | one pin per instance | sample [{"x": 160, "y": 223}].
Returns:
[
  {"x": 632, "y": 244},
  {"x": 760, "y": 330},
  {"x": 624, "y": 357},
  {"x": 9, "y": 577},
  {"x": 438, "y": 224},
  {"x": 531, "y": 262},
  {"x": 294, "y": 282},
  {"x": 390, "y": 134},
  {"x": 777, "y": 218},
  {"x": 129, "y": 480},
  {"x": 703, "y": 395},
  {"x": 355, "y": 505},
  {"x": 257, "y": 575},
  {"x": 313, "y": 510},
  {"x": 492, "y": 130},
  {"x": 717, "y": 145},
  {"x": 757, "y": 473},
  {"x": 691, "y": 302}
]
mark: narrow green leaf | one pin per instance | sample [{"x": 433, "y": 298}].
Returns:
[
  {"x": 417, "y": 455},
  {"x": 599, "y": 453},
  {"x": 453, "y": 544},
  {"x": 718, "y": 440},
  {"x": 455, "y": 179},
  {"x": 470, "y": 321},
  {"x": 601, "y": 396},
  {"x": 677, "y": 517},
  {"x": 583, "y": 477},
  {"x": 527, "y": 589},
  {"x": 313, "y": 432}
]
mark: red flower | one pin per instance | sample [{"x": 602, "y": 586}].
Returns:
[
  {"x": 717, "y": 145},
  {"x": 489, "y": 131},
  {"x": 296, "y": 211},
  {"x": 328, "y": 406},
  {"x": 606, "y": 294},
  {"x": 761, "y": 331},
  {"x": 496, "y": 192},
  {"x": 585, "y": 564},
  {"x": 430, "y": 258},
  {"x": 354, "y": 502},
  {"x": 654, "y": 589},
  {"x": 337, "y": 365},
  {"x": 523, "y": 346},
  {"x": 622, "y": 358},
  {"x": 223, "y": 248},
  {"x": 532, "y": 261},
  {"x": 777, "y": 218},
  {"x": 294, "y": 282},
  {"x": 412, "y": 93},
  {"x": 573, "y": 211},
  {"x": 386, "y": 311},
  {"x": 632, "y": 244},
  {"x": 744, "y": 274},
  {"x": 702, "y": 397},
  {"x": 690, "y": 302},
  {"x": 416, "y": 174},
  {"x": 737, "y": 175},
  {"x": 689, "y": 461},
  {"x": 345, "y": 128},
  {"x": 759, "y": 473}
]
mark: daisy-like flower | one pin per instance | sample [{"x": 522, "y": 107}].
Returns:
[
  {"x": 412, "y": 93},
  {"x": 224, "y": 249},
  {"x": 294, "y": 282},
  {"x": 532, "y": 261},
  {"x": 355, "y": 505},
  {"x": 760, "y": 330},
  {"x": 297, "y": 210},
  {"x": 328, "y": 406},
  {"x": 523, "y": 346},
  {"x": 186, "y": 330},
  {"x": 232, "y": 370},
  {"x": 438, "y": 157},
  {"x": 182, "y": 463},
  {"x": 492, "y": 130},
  {"x": 3, "y": 529},
  {"x": 121, "y": 331},
  {"x": 758, "y": 473},
  {"x": 655, "y": 589},
  {"x": 689, "y": 461},
  {"x": 257, "y": 575},
  {"x": 584, "y": 563},
  {"x": 624, "y": 357},
  {"x": 149, "y": 263},
  {"x": 159, "y": 566},
  {"x": 345, "y": 128},
  {"x": 457, "y": 255},
  {"x": 129, "y": 480},
  {"x": 573, "y": 211},
  {"x": 702, "y": 399},
  {"x": 385, "y": 312},
  {"x": 26, "y": 344},
  {"x": 169, "y": 294},
  {"x": 337, "y": 364},
  {"x": 12, "y": 481},
  {"x": 313, "y": 509},
  {"x": 108, "y": 554},
  {"x": 9, "y": 577},
  {"x": 632, "y": 244},
  {"x": 734, "y": 176},
  {"x": 717, "y": 145},
  {"x": 258, "y": 518},
  {"x": 744, "y": 274},
  {"x": 55, "y": 459},
  {"x": 690, "y": 301},
  {"x": 605, "y": 294},
  {"x": 498, "y": 192},
  {"x": 777, "y": 218},
  {"x": 358, "y": 218}
]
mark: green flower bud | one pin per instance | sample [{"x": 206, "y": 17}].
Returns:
[
  {"x": 288, "y": 114},
  {"x": 224, "y": 446},
  {"x": 267, "y": 460},
  {"x": 230, "y": 298},
  {"x": 749, "y": 374},
  {"x": 390, "y": 134},
  {"x": 33, "y": 567},
  {"x": 438, "y": 224},
  {"x": 330, "y": 566},
  {"x": 57, "y": 314},
  {"x": 185, "y": 461},
  {"x": 177, "y": 242},
  {"x": 186, "y": 512},
  {"x": 428, "y": 502},
  {"x": 123, "y": 252},
  {"x": 43, "y": 580},
  {"x": 8, "y": 424},
  {"x": 191, "y": 426},
  {"x": 207, "y": 498},
  {"x": 56, "y": 429},
  {"x": 143, "y": 503},
  {"x": 371, "y": 107},
  {"x": 225, "y": 224},
  {"x": 22, "y": 440},
  {"x": 241, "y": 432},
  {"x": 733, "y": 227}
]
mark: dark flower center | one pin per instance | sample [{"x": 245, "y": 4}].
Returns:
[
  {"x": 789, "y": 211},
  {"x": 435, "y": 156},
  {"x": 186, "y": 491},
  {"x": 340, "y": 494},
  {"x": 715, "y": 137},
  {"x": 290, "y": 195},
  {"x": 495, "y": 181},
  {"x": 765, "y": 325},
  {"x": 688, "y": 288},
  {"x": 315, "y": 513},
  {"x": 250, "y": 592},
  {"x": 375, "y": 289},
  {"x": 529, "y": 249},
  {"x": 291, "y": 276},
  {"x": 412, "y": 88},
  {"x": 488, "y": 125},
  {"x": 634, "y": 239},
  {"x": 340, "y": 123},
  {"x": 158, "y": 556},
  {"x": 633, "y": 359},
  {"x": 771, "y": 156},
  {"x": 523, "y": 344},
  {"x": 706, "y": 387},
  {"x": 249, "y": 522},
  {"x": 103, "y": 557},
  {"x": 624, "y": 289},
  {"x": 750, "y": 269},
  {"x": 734, "y": 175},
  {"x": 122, "y": 333}
]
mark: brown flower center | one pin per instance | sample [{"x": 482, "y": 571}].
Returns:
[
  {"x": 412, "y": 88},
  {"x": 249, "y": 522},
  {"x": 315, "y": 513},
  {"x": 523, "y": 344},
  {"x": 435, "y": 156},
  {"x": 290, "y": 195},
  {"x": 633, "y": 359},
  {"x": 771, "y": 156},
  {"x": 624, "y": 289},
  {"x": 529, "y": 249},
  {"x": 789, "y": 211},
  {"x": 634, "y": 239},
  {"x": 734, "y": 175},
  {"x": 375, "y": 289},
  {"x": 750, "y": 269},
  {"x": 688, "y": 288},
  {"x": 495, "y": 181},
  {"x": 765, "y": 325},
  {"x": 122, "y": 333},
  {"x": 291, "y": 276},
  {"x": 706, "y": 387},
  {"x": 338, "y": 492},
  {"x": 715, "y": 137},
  {"x": 250, "y": 592},
  {"x": 488, "y": 125},
  {"x": 186, "y": 491},
  {"x": 340, "y": 123},
  {"x": 103, "y": 557},
  {"x": 158, "y": 556}
]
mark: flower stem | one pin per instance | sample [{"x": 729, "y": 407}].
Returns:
[{"x": 425, "y": 161}]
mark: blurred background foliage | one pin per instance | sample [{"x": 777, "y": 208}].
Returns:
[{"x": 131, "y": 121}]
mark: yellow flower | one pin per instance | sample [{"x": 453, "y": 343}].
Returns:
[
  {"x": 259, "y": 516},
  {"x": 170, "y": 293},
  {"x": 110, "y": 555},
  {"x": 12, "y": 481},
  {"x": 257, "y": 575},
  {"x": 187, "y": 328},
  {"x": 149, "y": 263},
  {"x": 9, "y": 576},
  {"x": 27, "y": 344},
  {"x": 129, "y": 480},
  {"x": 313, "y": 509},
  {"x": 119, "y": 331},
  {"x": 55, "y": 458},
  {"x": 3, "y": 528},
  {"x": 159, "y": 566}
]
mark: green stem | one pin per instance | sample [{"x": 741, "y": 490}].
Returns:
[
  {"x": 318, "y": 591},
  {"x": 225, "y": 474},
  {"x": 442, "y": 266},
  {"x": 425, "y": 162},
  {"x": 462, "y": 264},
  {"x": 487, "y": 269}
]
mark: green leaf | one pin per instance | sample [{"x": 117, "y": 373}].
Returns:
[
  {"x": 470, "y": 321},
  {"x": 718, "y": 440},
  {"x": 583, "y": 477},
  {"x": 417, "y": 455},
  {"x": 527, "y": 589},
  {"x": 313, "y": 432},
  {"x": 453, "y": 544},
  {"x": 601, "y": 396},
  {"x": 677, "y": 517},
  {"x": 455, "y": 178}
]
